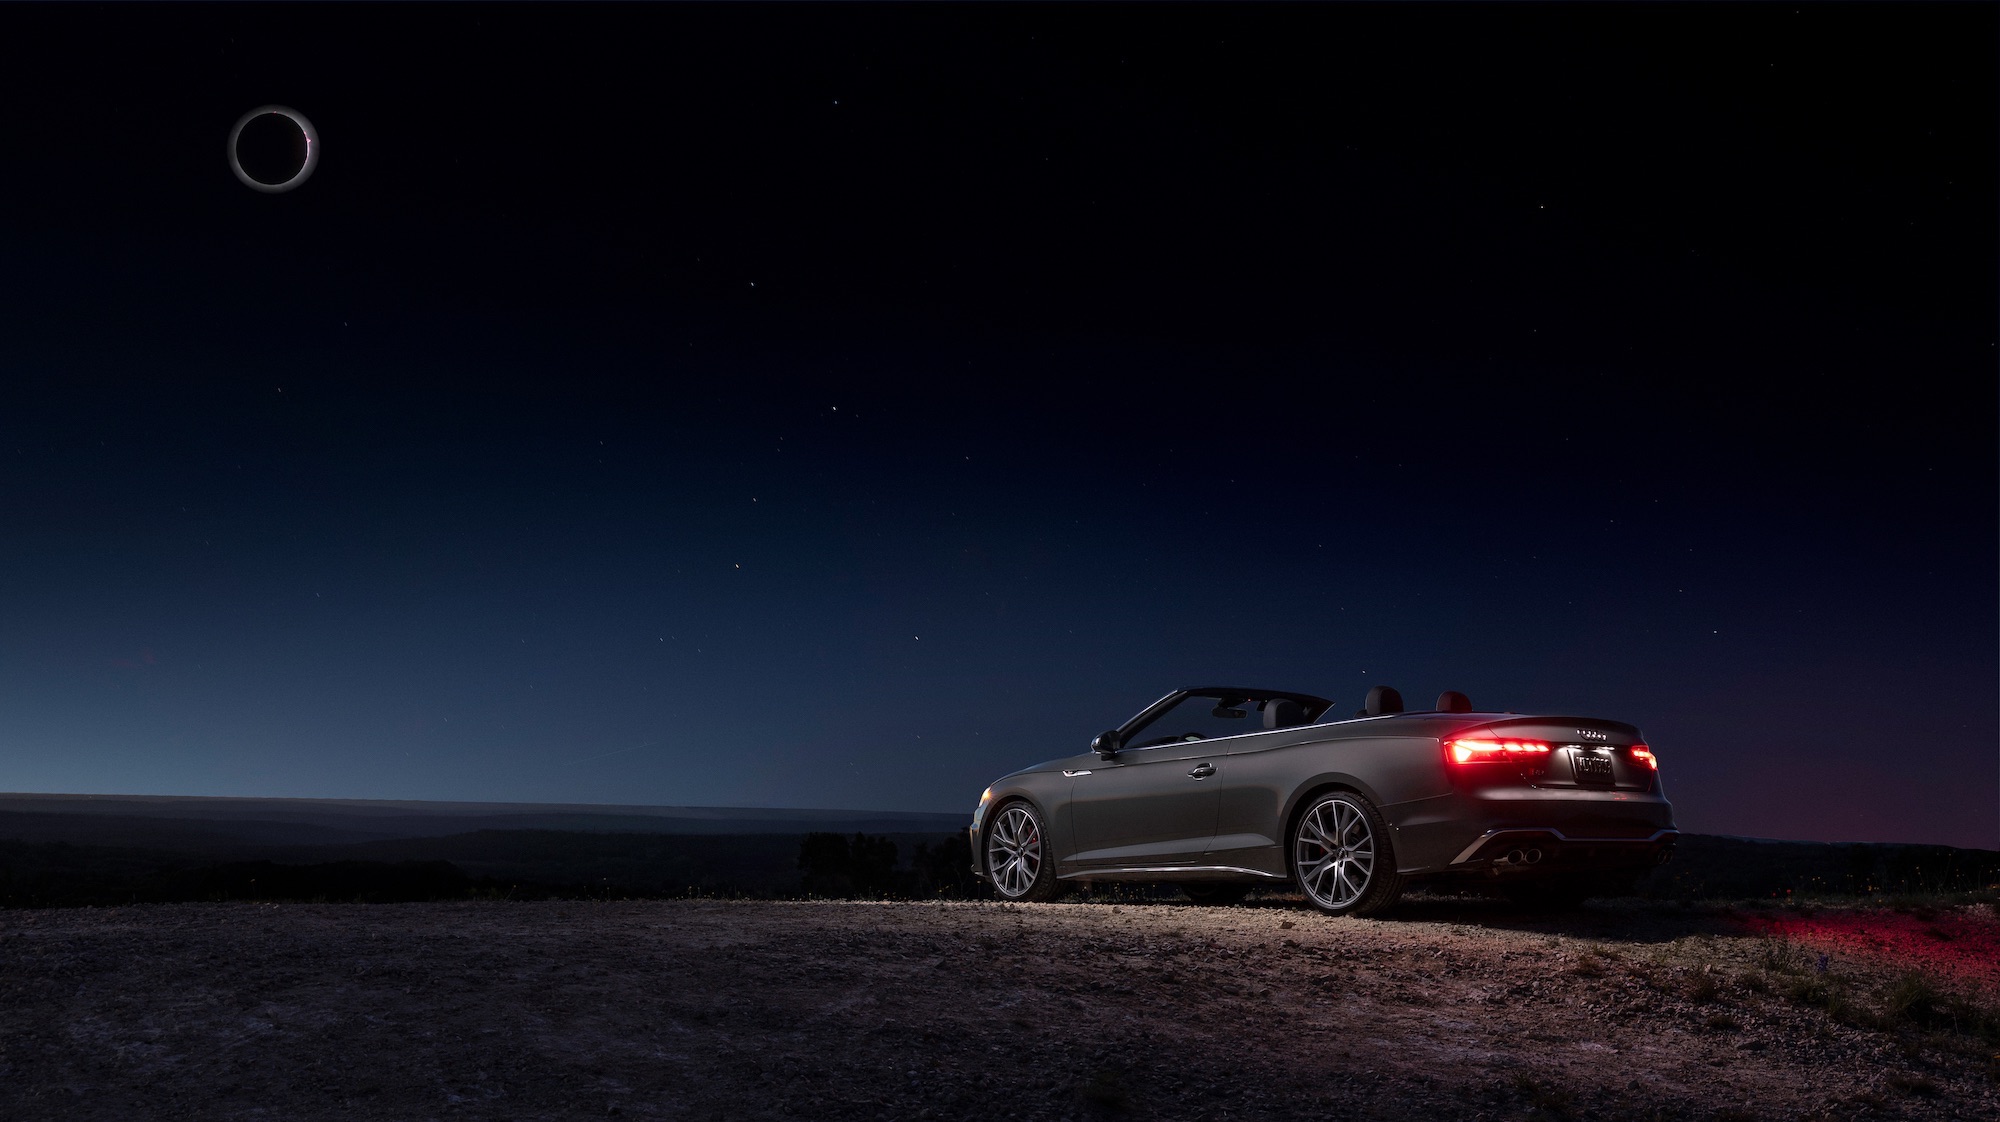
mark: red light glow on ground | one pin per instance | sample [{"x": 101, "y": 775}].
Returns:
[{"x": 1958, "y": 945}]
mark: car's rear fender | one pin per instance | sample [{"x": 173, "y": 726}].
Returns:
[
  {"x": 1315, "y": 787},
  {"x": 1263, "y": 790},
  {"x": 1410, "y": 851}
]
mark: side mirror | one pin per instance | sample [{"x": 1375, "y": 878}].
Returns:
[{"x": 1105, "y": 743}]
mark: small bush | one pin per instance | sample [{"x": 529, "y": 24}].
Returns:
[
  {"x": 1830, "y": 994},
  {"x": 1782, "y": 956},
  {"x": 1914, "y": 1000}
]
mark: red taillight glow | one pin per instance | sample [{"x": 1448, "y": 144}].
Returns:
[
  {"x": 1645, "y": 756},
  {"x": 1494, "y": 751}
]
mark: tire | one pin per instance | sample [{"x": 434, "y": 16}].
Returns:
[
  {"x": 1216, "y": 895},
  {"x": 1018, "y": 864},
  {"x": 1342, "y": 858}
]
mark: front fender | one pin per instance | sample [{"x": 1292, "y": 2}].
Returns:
[{"x": 1048, "y": 793}]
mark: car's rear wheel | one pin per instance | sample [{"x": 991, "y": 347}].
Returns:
[
  {"x": 1342, "y": 858},
  {"x": 1017, "y": 856},
  {"x": 1216, "y": 895}
]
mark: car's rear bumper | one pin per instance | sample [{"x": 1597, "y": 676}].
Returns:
[
  {"x": 1515, "y": 830},
  {"x": 1518, "y": 846}
]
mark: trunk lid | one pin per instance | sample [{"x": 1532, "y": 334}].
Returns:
[{"x": 1585, "y": 753}]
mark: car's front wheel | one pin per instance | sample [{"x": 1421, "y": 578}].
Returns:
[
  {"x": 1017, "y": 855},
  {"x": 1342, "y": 858}
]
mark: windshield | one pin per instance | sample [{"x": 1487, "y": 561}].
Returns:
[{"x": 1200, "y": 717}]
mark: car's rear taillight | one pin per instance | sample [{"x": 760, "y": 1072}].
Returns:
[
  {"x": 1644, "y": 755},
  {"x": 1495, "y": 751}
]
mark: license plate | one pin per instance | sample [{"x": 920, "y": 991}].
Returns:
[{"x": 1591, "y": 768}]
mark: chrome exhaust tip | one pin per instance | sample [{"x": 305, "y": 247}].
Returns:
[
  {"x": 1533, "y": 856},
  {"x": 1514, "y": 857}
]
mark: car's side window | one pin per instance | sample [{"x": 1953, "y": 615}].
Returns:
[{"x": 1197, "y": 718}]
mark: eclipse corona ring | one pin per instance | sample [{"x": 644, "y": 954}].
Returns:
[{"x": 273, "y": 149}]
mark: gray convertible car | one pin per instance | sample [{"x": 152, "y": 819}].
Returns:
[{"x": 1221, "y": 789}]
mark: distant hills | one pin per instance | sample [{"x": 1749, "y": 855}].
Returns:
[
  {"x": 217, "y": 825},
  {"x": 1722, "y": 867},
  {"x": 102, "y": 849}
]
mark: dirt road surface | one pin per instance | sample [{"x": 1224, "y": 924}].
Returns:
[{"x": 704, "y": 1010}]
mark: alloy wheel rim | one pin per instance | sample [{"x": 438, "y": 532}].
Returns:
[
  {"x": 1335, "y": 854},
  {"x": 1014, "y": 851}
]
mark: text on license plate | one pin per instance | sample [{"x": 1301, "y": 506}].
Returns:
[{"x": 1591, "y": 767}]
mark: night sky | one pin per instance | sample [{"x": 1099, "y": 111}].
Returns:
[{"x": 841, "y": 406}]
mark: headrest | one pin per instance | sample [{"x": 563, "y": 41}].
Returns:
[
  {"x": 1382, "y": 700},
  {"x": 1283, "y": 713},
  {"x": 1452, "y": 701}
]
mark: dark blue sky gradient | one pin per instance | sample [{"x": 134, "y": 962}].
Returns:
[{"x": 647, "y": 428}]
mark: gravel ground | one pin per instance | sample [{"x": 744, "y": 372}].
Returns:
[{"x": 1459, "y": 1009}]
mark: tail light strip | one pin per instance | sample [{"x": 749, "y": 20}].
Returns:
[
  {"x": 1524, "y": 751},
  {"x": 1495, "y": 751}
]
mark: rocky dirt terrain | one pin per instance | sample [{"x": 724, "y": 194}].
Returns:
[{"x": 1460, "y": 1009}]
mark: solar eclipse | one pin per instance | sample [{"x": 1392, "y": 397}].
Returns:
[{"x": 273, "y": 149}]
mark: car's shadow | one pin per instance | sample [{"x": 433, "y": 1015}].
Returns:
[{"x": 1621, "y": 920}]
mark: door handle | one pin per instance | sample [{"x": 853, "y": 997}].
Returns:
[{"x": 1202, "y": 771}]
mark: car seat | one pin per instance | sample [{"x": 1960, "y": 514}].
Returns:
[
  {"x": 1283, "y": 713},
  {"x": 1382, "y": 701}
]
